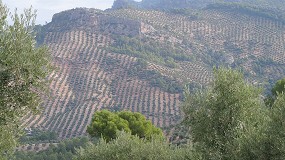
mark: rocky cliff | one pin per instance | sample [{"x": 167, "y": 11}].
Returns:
[{"x": 96, "y": 20}]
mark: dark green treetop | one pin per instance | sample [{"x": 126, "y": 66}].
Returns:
[{"x": 107, "y": 124}]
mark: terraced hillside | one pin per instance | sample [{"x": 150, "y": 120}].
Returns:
[
  {"x": 170, "y": 4},
  {"x": 216, "y": 36},
  {"x": 84, "y": 82},
  {"x": 95, "y": 71}
]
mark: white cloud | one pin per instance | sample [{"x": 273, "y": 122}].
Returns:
[{"x": 46, "y": 8}]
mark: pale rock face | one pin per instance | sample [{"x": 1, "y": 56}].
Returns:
[
  {"x": 81, "y": 18},
  {"x": 94, "y": 20},
  {"x": 146, "y": 28}
]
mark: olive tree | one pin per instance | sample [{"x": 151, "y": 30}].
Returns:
[
  {"x": 127, "y": 146},
  {"x": 278, "y": 88},
  {"x": 23, "y": 71},
  {"x": 228, "y": 120},
  {"x": 274, "y": 146}
]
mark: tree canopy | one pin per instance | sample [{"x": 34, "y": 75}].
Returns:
[
  {"x": 23, "y": 71},
  {"x": 65, "y": 150},
  {"x": 107, "y": 124},
  {"x": 227, "y": 117},
  {"x": 229, "y": 120},
  {"x": 279, "y": 87},
  {"x": 127, "y": 146}
]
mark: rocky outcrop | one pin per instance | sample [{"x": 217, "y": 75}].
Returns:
[
  {"x": 95, "y": 20},
  {"x": 79, "y": 18},
  {"x": 120, "y": 26}
]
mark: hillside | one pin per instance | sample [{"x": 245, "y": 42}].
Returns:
[
  {"x": 89, "y": 78},
  {"x": 217, "y": 36},
  {"x": 194, "y": 4},
  {"x": 139, "y": 60}
]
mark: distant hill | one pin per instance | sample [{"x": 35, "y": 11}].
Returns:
[
  {"x": 194, "y": 4},
  {"x": 140, "y": 59}
]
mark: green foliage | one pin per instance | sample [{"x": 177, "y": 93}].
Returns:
[
  {"x": 139, "y": 125},
  {"x": 40, "y": 32},
  {"x": 275, "y": 142},
  {"x": 253, "y": 10},
  {"x": 198, "y": 4},
  {"x": 228, "y": 121},
  {"x": 8, "y": 137},
  {"x": 65, "y": 150},
  {"x": 227, "y": 118},
  {"x": 156, "y": 78},
  {"x": 36, "y": 136},
  {"x": 279, "y": 87},
  {"x": 163, "y": 53},
  {"x": 107, "y": 124},
  {"x": 127, "y": 146},
  {"x": 23, "y": 69},
  {"x": 186, "y": 12},
  {"x": 167, "y": 84}
]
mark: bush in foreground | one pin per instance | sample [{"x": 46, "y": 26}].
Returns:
[{"x": 129, "y": 147}]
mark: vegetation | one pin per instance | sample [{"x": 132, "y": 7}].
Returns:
[
  {"x": 127, "y": 146},
  {"x": 158, "y": 52},
  {"x": 98, "y": 80},
  {"x": 156, "y": 78},
  {"x": 277, "y": 15},
  {"x": 227, "y": 111},
  {"x": 40, "y": 34},
  {"x": 65, "y": 150},
  {"x": 107, "y": 124},
  {"x": 37, "y": 136},
  {"x": 90, "y": 77},
  {"x": 274, "y": 146},
  {"x": 23, "y": 69},
  {"x": 239, "y": 125},
  {"x": 195, "y": 4},
  {"x": 277, "y": 89},
  {"x": 190, "y": 13}
]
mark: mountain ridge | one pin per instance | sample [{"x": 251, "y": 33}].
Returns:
[{"x": 194, "y": 4}]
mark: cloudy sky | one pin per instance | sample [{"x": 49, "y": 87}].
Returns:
[{"x": 46, "y": 8}]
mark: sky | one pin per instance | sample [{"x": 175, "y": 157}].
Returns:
[{"x": 47, "y": 8}]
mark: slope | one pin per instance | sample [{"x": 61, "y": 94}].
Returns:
[
  {"x": 100, "y": 56},
  {"x": 88, "y": 78}
]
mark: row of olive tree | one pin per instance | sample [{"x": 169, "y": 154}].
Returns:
[{"x": 229, "y": 120}]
